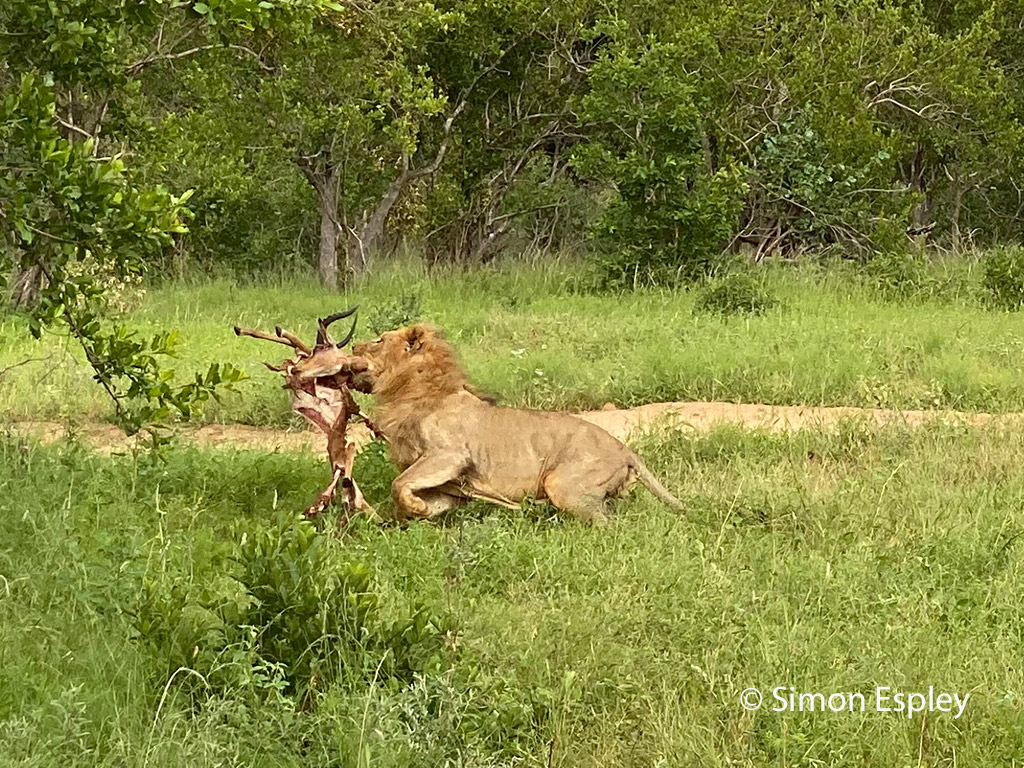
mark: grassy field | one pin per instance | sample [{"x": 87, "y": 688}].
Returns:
[
  {"x": 825, "y": 562},
  {"x": 171, "y": 610},
  {"x": 538, "y": 337}
]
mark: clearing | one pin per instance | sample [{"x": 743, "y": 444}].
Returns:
[{"x": 620, "y": 422}]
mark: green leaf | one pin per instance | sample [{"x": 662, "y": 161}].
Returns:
[{"x": 24, "y": 232}]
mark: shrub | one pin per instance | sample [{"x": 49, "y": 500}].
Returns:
[
  {"x": 899, "y": 275},
  {"x": 676, "y": 239},
  {"x": 734, "y": 294},
  {"x": 671, "y": 212},
  {"x": 1003, "y": 278},
  {"x": 805, "y": 196},
  {"x": 305, "y": 607},
  {"x": 283, "y": 610},
  {"x": 388, "y": 315}
]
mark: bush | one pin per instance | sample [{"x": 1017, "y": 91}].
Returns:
[
  {"x": 283, "y": 610},
  {"x": 803, "y": 196},
  {"x": 389, "y": 315},
  {"x": 900, "y": 275},
  {"x": 676, "y": 239},
  {"x": 735, "y": 294},
  {"x": 1003, "y": 278},
  {"x": 671, "y": 212}
]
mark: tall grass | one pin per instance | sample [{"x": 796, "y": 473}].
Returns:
[
  {"x": 834, "y": 561},
  {"x": 539, "y": 335}
]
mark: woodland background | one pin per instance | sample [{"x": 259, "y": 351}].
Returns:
[{"x": 657, "y": 138}]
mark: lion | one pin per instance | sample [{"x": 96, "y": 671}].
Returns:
[{"x": 453, "y": 444}]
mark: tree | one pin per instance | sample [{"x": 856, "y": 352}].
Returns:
[
  {"x": 674, "y": 131},
  {"x": 375, "y": 101},
  {"x": 350, "y": 105},
  {"x": 845, "y": 125},
  {"x": 674, "y": 206},
  {"x": 75, "y": 220},
  {"x": 510, "y": 158}
]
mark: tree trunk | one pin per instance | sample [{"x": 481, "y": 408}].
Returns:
[
  {"x": 25, "y": 286},
  {"x": 328, "y": 260},
  {"x": 324, "y": 178},
  {"x": 954, "y": 215},
  {"x": 487, "y": 244},
  {"x": 919, "y": 215},
  {"x": 361, "y": 243}
]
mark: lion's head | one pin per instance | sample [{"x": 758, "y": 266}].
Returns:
[{"x": 409, "y": 363}]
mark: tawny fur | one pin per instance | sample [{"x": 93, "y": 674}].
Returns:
[{"x": 453, "y": 444}]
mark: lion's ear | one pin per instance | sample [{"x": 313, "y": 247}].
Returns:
[{"x": 417, "y": 335}]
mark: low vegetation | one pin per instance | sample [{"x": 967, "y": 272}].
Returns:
[
  {"x": 734, "y": 294},
  {"x": 174, "y": 613},
  {"x": 1004, "y": 278}
]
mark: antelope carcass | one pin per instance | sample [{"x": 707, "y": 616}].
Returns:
[{"x": 319, "y": 381}]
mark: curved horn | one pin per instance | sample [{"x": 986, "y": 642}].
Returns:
[
  {"x": 349, "y": 335},
  {"x": 323, "y": 338},
  {"x": 340, "y": 315}
]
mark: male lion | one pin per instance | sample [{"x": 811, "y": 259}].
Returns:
[{"x": 452, "y": 444}]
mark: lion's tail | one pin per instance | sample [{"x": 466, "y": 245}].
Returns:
[{"x": 652, "y": 484}]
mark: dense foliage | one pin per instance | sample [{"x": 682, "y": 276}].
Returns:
[
  {"x": 1004, "y": 277},
  {"x": 281, "y": 611},
  {"x": 663, "y": 133},
  {"x": 77, "y": 222}
]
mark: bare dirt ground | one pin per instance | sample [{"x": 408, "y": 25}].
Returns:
[{"x": 621, "y": 422}]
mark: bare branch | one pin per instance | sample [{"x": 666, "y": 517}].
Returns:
[
  {"x": 430, "y": 169},
  {"x": 9, "y": 368},
  {"x": 920, "y": 113},
  {"x": 72, "y": 127},
  {"x": 51, "y": 237},
  {"x": 132, "y": 69},
  {"x": 525, "y": 211}
]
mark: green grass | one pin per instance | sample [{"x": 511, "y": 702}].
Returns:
[
  {"x": 827, "y": 561},
  {"x": 824, "y": 561},
  {"x": 535, "y": 336}
]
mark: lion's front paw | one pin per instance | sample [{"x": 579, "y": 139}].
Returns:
[{"x": 411, "y": 503}]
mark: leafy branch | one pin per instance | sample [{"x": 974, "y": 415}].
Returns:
[{"x": 100, "y": 227}]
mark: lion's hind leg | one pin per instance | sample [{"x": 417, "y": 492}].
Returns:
[{"x": 571, "y": 492}]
